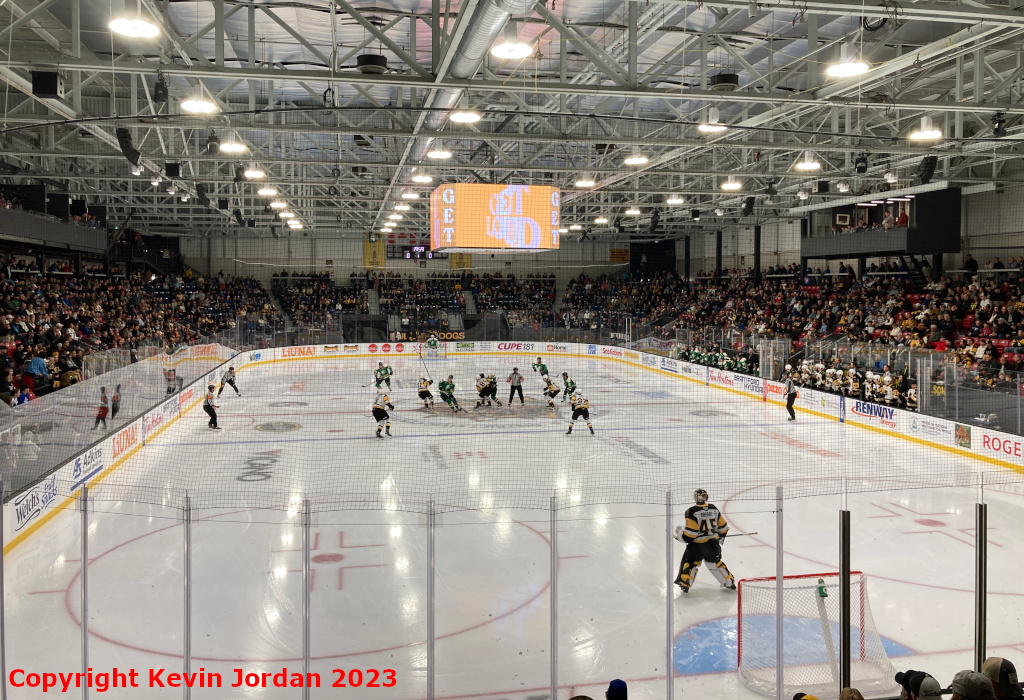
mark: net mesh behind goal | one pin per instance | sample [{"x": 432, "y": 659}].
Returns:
[{"x": 810, "y": 613}]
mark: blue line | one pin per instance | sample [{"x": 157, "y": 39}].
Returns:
[{"x": 477, "y": 434}]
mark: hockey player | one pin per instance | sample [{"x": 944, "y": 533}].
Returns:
[
  {"x": 383, "y": 374},
  {"x": 703, "y": 534},
  {"x": 210, "y": 408},
  {"x": 171, "y": 377},
  {"x": 433, "y": 343},
  {"x": 228, "y": 378},
  {"x": 102, "y": 410},
  {"x": 911, "y": 397},
  {"x": 380, "y": 413},
  {"x": 570, "y": 386},
  {"x": 482, "y": 394},
  {"x": 580, "y": 409},
  {"x": 550, "y": 391},
  {"x": 425, "y": 395},
  {"x": 890, "y": 397},
  {"x": 853, "y": 381},
  {"x": 447, "y": 389},
  {"x": 539, "y": 366},
  {"x": 492, "y": 389},
  {"x": 115, "y": 402},
  {"x": 516, "y": 385}
]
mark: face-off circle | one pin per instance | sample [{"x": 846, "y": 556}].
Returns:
[{"x": 278, "y": 427}]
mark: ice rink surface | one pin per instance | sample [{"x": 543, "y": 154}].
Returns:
[{"x": 300, "y": 425}]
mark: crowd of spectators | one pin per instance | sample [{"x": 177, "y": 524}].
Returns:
[
  {"x": 590, "y": 302},
  {"x": 314, "y": 300},
  {"x": 49, "y": 323},
  {"x": 526, "y": 301},
  {"x": 421, "y": 304}
]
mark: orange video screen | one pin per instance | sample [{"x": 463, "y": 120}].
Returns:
[{"x": 495, "y": 218}]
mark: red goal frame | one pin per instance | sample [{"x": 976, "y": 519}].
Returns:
[{"x": 792, "y": 577}]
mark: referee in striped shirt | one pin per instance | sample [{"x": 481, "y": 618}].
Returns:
[
  {"x": 790, "y": 389},
  {"x": 516, "y": 381}
]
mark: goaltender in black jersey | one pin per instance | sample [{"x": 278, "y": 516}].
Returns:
[{"x": 703, "y": 533}]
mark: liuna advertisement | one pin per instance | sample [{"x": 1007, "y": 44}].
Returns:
[{"x": 496, "y": 218}]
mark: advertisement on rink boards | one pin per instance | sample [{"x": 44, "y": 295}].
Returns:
[
  {"x": 927, "y": 428},
  {"x": 884, "y": 417},
  {"x": 748, "y": 384}
]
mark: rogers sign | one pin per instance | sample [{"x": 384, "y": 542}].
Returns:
[{"x": 1005, "y": 446}]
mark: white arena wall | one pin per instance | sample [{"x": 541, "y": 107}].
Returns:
[{"x": 32, "y": 509}]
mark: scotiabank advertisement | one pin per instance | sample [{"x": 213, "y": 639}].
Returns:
[{"x": 495, "y": 218}]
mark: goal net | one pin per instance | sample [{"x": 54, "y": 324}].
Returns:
[{"x": 810, "y": 627}]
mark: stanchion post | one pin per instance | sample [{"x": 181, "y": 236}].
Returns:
[
  {"x": 780, "y": 670},
  {"x": 306, "y": 581},
  {"x": 83, "y": 505},
  {"x": 980, "y": 583},
  {"x": 844, "y": 600},
  {"x": 430, "y": 601},
  {"x": 3, "y": 617},
  {"x": 554, "y": 598},
  {"x": 186, "y": 644},
  {"x": 669, "y": 591}
]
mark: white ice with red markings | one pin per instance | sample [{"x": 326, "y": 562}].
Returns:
[{"x": 368, "y": 593}]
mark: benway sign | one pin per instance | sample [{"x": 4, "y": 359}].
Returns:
[{"x": 882, "y": 416}]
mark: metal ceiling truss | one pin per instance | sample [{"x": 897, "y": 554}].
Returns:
[{"x": 568, "y": 111}]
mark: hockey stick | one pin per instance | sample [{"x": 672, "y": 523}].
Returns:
[
  {"x": 740, "y": 534},
  {"x": 424, "y": 362}
]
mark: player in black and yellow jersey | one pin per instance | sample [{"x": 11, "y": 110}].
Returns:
[
  {"x": 482, "y": 394},
  {"x": 425, "y": 395},
  {"x": 580, "y": 409},
  {"x": 492, "y": 390},
  {"x": 380, "y": 413},
  {"x": 550, "y": 391},
  {"x": 703, "y": 534}
]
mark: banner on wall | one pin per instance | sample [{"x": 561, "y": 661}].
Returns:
[
  {"x": 373, "y": 255},
  {"x": 618, "y": 255},
  {"x": 461, "y": 261}
]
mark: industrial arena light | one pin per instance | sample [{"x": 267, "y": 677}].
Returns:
[
  {"x": 576, "y": 227},
  {"x": 802, "y": 195},
  {"x": 386, "y": 229},
  {"x": 402, "y": 207},
  {"x": 286, "y": 215},
  {"x": 197, "y": 104},
  {"x": 711, "y": 126},
  {"x": 731, "y": 184},
  {"x": 155, "y": 182},
  {"x": 719, "y": 211},
  {"x": 866, "y": 204},
  {"x": 808, "y": 163},
  {"x": 410, "y": 195},
  {"x": 254, "y": 172},
  {"x": 464, "y": 115},
  {"x": 878, "y": 201},
  {"x": 278, "y": 204},
  {"x": 891, "y": 177},
  {"x": 675, "y": 199},
  {"x": 131, "y": 23},
  {"x": 295, "y": 224},
  {"x": 695, "y": 215},
  {"x": 172, "y": 190},
  {"x": 136, "y": 170},
  {"x": 266, "y": 191},
  {"x": 395, "y": 217},
  {"x": 422, "y": 178},
  {"x": 601, "y": 220},
  {"x": 633, "y": 210},
  {"x": 843, "y": 186},
  {"x": 438, "y": 151},
  {"x": 999, "y": 125},
  {"x": 860, "y": 165},
  {"x": 585, "y": 181},
  {"x": 635, "y": 158},
  {"x": 184, "y": 196},
  {"x": 563, "y": 230},
  {"x": 510, "y": 48},
  {"x": 927, "y": 132},
  {"x": 899, "y": 199},
  {"x": 231, "y": 145},
  {"x": 849, "y": 64}
]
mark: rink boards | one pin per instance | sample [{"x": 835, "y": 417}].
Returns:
[{"x": 30, "y": 510}]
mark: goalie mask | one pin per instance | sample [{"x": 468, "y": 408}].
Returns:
[{"x": 700, "y": 497}]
